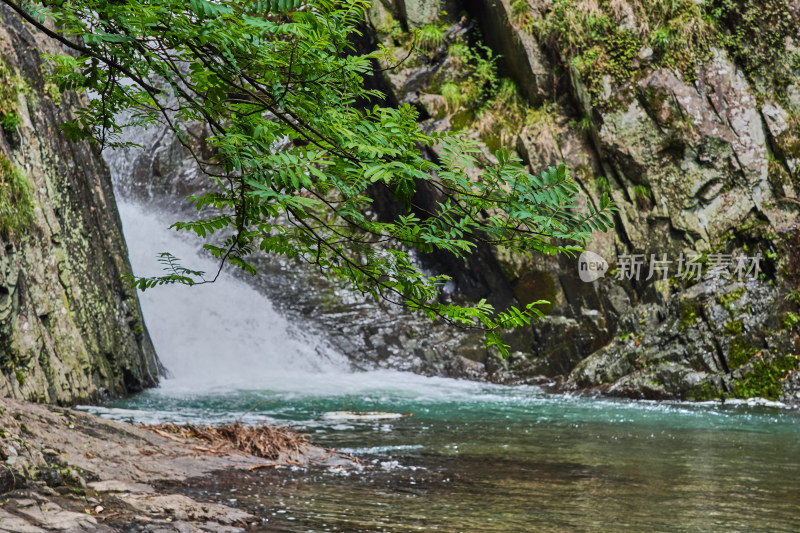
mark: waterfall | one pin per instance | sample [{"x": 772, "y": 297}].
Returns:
[
  {"x": 227, "y": 335},
  {"x": 218, "y": 335}
]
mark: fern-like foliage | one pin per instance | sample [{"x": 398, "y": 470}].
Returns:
[{"x": 260, "y": 72}]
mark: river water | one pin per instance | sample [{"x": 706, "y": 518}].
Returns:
[{"x": 472, "y": 457}]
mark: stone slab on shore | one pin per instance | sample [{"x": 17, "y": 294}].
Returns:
[{"x": 64, "y": 470}]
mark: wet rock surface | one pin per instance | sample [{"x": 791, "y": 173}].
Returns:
[
  {"x": 709, "y": 343},
  {"x": 112, "y": 475}
]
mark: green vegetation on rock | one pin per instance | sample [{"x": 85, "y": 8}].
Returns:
[
  {"x": 499, "y": 121},
  {"x": 765, "y": 378},
  {"x": 611, "y": 41},
  {"x": 521, "y": 14},
  {"x": 789, "y": 319},
  {"x": 705, "y": 392},
  {"x": 16, "y": 199},
  {"x": 642, "y": 195},
  {"x": 479, "y": 99},
  {"x": 430, "y": 37},
  {"x": 10, "y": 85},
  {"x": 618, "y": 41},
  {"x": 755, "y": 33},
  {"x": 728, "y": 298},
  {"x": 740, "y": 351},
  {"x": 452, "y": 96},
  {"x": 734, "y": 327},
  {"x": 689, "y": 313}
]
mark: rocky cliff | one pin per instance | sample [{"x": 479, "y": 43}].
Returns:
[
  {"x": 688, "y": 115},
  {"x": 70, "y": 329}
]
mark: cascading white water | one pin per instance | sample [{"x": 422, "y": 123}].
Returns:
[
  {"x": 226, "y": 336},
  {"x": 223, "y": 334}
]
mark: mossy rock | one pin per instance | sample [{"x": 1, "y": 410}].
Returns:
[
  {"x": 734, "y": 327},
  {"x": 705, "y": 392},
  {"x": 16, "y": 199},
  {"x": 689, "y": 313},
  {"x": 740, "y": 351},
  {"x": 765, "y": 379},
  {"x": 730, "y": 297}
]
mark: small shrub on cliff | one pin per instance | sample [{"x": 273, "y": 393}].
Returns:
[
  {"x": 789, "y": 320},
  {"x": 481, "y": 74},
  {"x": 9, "y": 122},
  {"x": 521, "y": 14},
  {"x": 459, "y": 53},
  {"x": 430, "y": 37},
  {"x": 452, "y": 96},
  {"x": 501, "y": 119},
  {"x": 642, "y": 195}
]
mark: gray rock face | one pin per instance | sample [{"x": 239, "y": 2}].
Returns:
[
  {"x": 521, "y": 55},
  {"x": 707, "y": 340},
  {"x": 420, "y": 12},
  {"x": 70, "y": 329},
  {"x": 696, "y": 167},
  {"x": 702, "y": 153}
]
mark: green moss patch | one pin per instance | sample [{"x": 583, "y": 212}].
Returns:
[
  {"x": 740, "y": 352},
  {"x": 730, "y": 297},
  {"x": 734, "y": 327},
  {"x": 766, "y": 378},
  {"x": 10, "y": 85},
  {"x": 689, "y": 313},
  {"x": 705, "y": 392},
  {"x": 789, "y": 319},
  {"x": 16, "y": 199}
]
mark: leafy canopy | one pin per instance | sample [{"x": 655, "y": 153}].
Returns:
[{"x": 295, "y": 160}]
